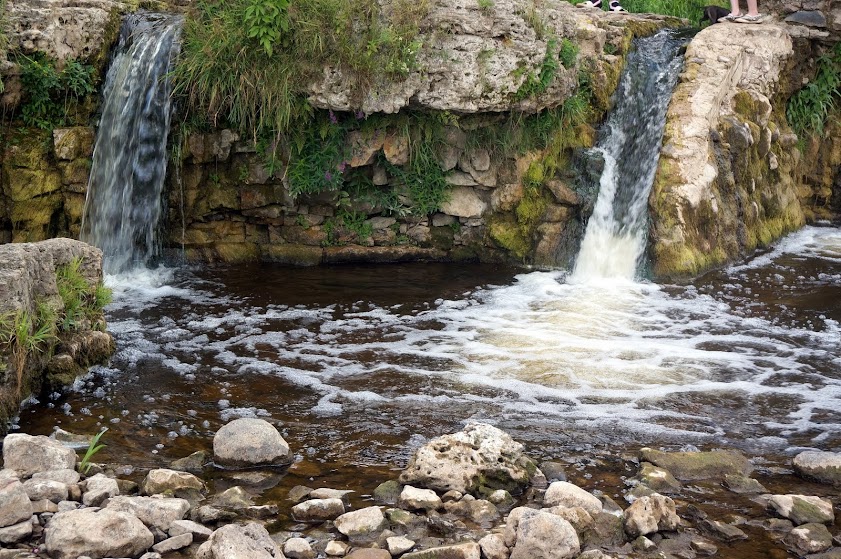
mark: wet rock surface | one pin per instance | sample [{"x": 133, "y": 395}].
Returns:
[{"x": 564, "y": 520}]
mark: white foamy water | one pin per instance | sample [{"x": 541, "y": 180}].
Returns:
[{"x": 611, "y": 356}]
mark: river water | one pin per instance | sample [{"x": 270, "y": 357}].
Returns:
[{"x": 358, "y": 365}]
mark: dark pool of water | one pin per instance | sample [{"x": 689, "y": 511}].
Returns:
[{"x": 359, "y": 365}]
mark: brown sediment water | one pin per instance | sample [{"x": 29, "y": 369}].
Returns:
[{"x": 359, "y": 365}]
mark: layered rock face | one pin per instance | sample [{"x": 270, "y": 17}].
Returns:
[
  {"x": 29, "y": 295},
  {"x": 727, "y": 178}
]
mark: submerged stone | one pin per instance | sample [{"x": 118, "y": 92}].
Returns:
[
  {"x": 821, "y": 466},
  {"x": 690, "y": 466},
  {"x": 250, "y": 442}
]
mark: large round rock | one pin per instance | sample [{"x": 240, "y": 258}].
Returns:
[
  {"x": 250, "y": 442},
  {"x": 96, "y": 533}
]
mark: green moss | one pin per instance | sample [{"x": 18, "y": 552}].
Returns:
[
  {"x": 506, "y": 232},
  {"x": 530, "y": 210},
  {"x": 236, "y": 252},
  {"x": 294, "y": 255}
]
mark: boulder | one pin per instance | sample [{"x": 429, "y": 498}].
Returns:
[
  {"x": 651, "y": 514},
  {"x": 173, "y": 543},
  {"x": 689, "y": 466},
  {"x": 327, "y": 493},
  {"x": 469, "y": 550},
  {"x": 821, "y": 466},
  {"x": 464, "y": 201},
  {"x": 478, "y": 457},
  {"x": 657, "y": 479},
  {"x": 15, "y": 506},
  {"x": 565, "y": 494},
  {"x": 534, "y": 534},
  {"x": 743, "y": 485},
  {"x": 200, "y": 533},
  {"x": 336, "y": 548},
  {"x": 318, "y": 510},
  {"x": 298, "y": 548},
  {"x": 66, "y": 476},
  {"x": 388, "y": 492},
  {"x": 234, "y": 541},
  {"x": 38, "y": 489},
  {"x": 369, "y": 553},
  {"x": 98, "y": 488},
  {"x": 16, "y": 532},
  {"x": 247, "y": 442},
  {"x": 96, "y": 534},
  {"x": 155, "y": 512},
  {"x": 362, "y": 524},
  {"x": 398, "y": 545},
  {"x": 493, "y": 547},
  {"x": 163, "y": 480},
  {"x": 809, "y": 538},
  {"x": 28, "y": 455},
  {"x": 412, "y": 498},
  {"x": 803, "y": 509}
]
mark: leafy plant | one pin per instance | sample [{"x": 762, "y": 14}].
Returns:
[
  {"x": 689, "y": 9},
  {"x": 485, "y": 5},
  {"x": 22, "y": 337},
  {"x": 49, "y": 92},
  {"x": 93, "y": 448},
  {"x": 267, "y": 21},
  {"x": 808, "y": 109}
]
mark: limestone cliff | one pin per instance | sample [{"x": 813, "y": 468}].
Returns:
[
  {"x": 730, "y": 178},
  {"x": 51, "y": 326}
]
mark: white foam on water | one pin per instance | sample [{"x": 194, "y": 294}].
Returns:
[{"x": 604, "y": 355}]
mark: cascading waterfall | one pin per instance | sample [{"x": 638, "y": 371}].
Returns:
[
  {"x": 615, "y": 238},
  {"x": 124, "y": 204}
]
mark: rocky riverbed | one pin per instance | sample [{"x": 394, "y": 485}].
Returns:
[{"x": 469, "y": 495}]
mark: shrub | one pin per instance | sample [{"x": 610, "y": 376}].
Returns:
[
  {"x": 809, "y": 108},
  {"x": 50, "y": 93}
]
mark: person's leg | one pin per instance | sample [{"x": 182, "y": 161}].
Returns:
[
  {"x": 753, "y": 10},
  {"x": 734, "y": 10}
]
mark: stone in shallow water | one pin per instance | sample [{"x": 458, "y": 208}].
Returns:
[
  {"x": 235, "y": 541},
  {"x": 298, "y": 548},
  {"x": 534, "y": 534},
  {"x": 336, "y": 548},
  {"x": 821, "y": 466},
  {"x": 650, "y": 514},
  {"x": 563, "y": 493},
  {"x": 162, "y": 480},
  {"x": 398, "y": 545},
  {"x": 28, "y": 455},
  {"x": 361, "y": 524},
  {"x": 194, "y": 463},
  {"x": 743, "y": 485},
  {"x": 250, "y": 442},
  {"x": 299, "y": 493},
  {"x": 809, "y": 538},
  {"x": 479, "y": 456},
  {"x": 388, "y": 492},
  {"x": 318, "y": 510},
  {"x": 690, "y": 466},
  {"x": 802, "y": 509},
  {"x": 412, "y": 498},
  {"x": 327, "y": 493}
]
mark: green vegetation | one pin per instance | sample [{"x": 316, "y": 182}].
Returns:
[
  {"x": 80, "y": 301},
  {"x": 536, "y": 84},
  {"x": 22, "y": 335},
  {"x": 689, "y": 9},
  {"x": 243, "y": 62},
  {"x": 809, "y": 108},
  {"x": 93, "y": 448},
  {"x": 51, "y": 94},
  {"x": 568, "y": 53}
]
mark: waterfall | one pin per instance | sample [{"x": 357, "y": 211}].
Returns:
[
  {"x": 616, "y": 235},
  {"x": 124, "y": 204}
]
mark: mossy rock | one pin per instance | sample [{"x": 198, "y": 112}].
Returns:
[
  {"x": 293, "y": 255},
  {"x": 689, "y": 466},
  {"x": 506, "y": 232},
  {"x": 236, "y": 252},
  {"x": 24, "y": 184}
]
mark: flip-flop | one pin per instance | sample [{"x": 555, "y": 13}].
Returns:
[
  {"x": 590, "y": 4},
  {"x": 758, "y": 18}
]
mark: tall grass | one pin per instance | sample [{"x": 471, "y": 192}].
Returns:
[
  {"x": 22, "y": 335},
  {"x": 688, "y": 9},
  {"x": 809, "y": 108},
  {"x": 232, "y": 79}
]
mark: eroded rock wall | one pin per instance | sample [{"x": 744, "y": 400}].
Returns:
[
  {"x": 30, "y": 295},
  {"x": 731, "y": 177}
]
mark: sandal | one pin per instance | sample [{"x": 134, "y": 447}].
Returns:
[
  {"x": 590, "y": 4},
  {"x": 758, "y": 18},
  {"x": 615, "y": 7},
  {"x": 729, "y": 17}
]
